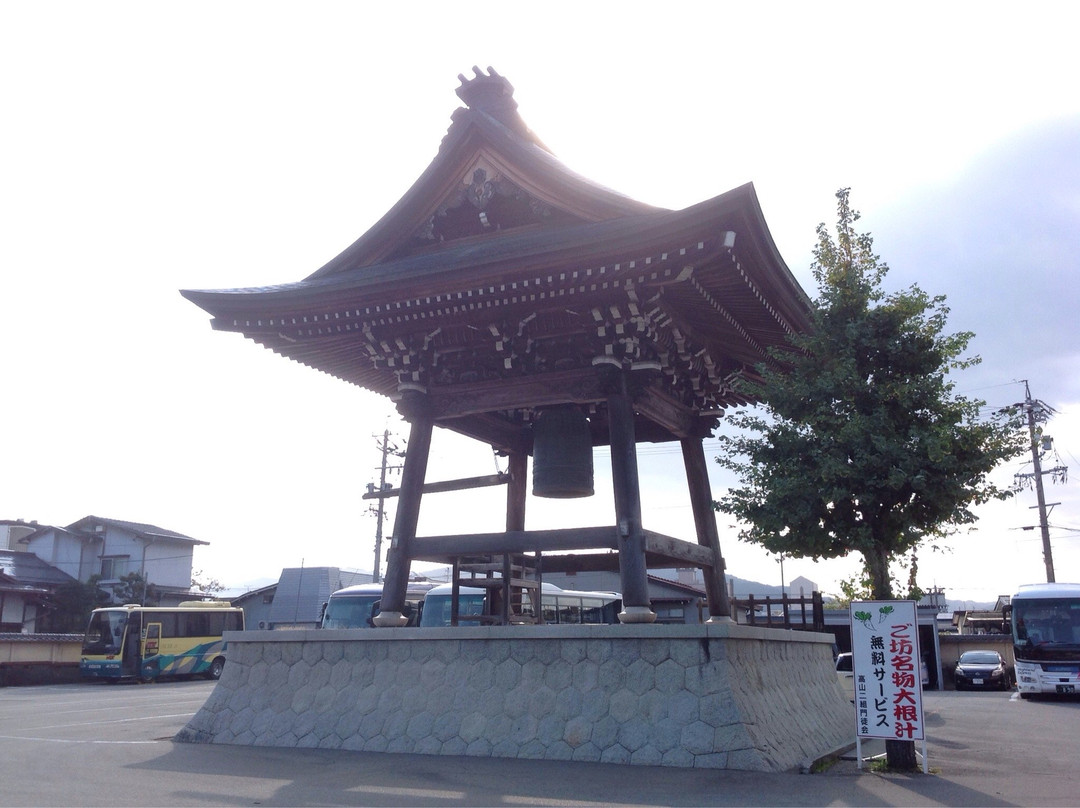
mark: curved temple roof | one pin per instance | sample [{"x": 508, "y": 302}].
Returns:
[{"x": 501, "y": 279}]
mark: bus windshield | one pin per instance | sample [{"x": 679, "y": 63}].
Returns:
[
  {"x": 1046, "y": 638},
  {"x": 349, "y": 611},
  {"x": 1047, "y": 627},
  {"x": 355, "y": 606},
  {"x": 105, "y": 633},
  {"x": 437, "y": 608}
]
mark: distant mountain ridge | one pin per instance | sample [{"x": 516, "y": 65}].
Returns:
[{"x": 743, "y": 588}]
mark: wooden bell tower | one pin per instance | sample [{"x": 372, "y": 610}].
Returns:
[{"x": 503, "y": 291}]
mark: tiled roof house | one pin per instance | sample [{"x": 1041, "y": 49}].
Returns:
[{"x": 113, "y": 548}]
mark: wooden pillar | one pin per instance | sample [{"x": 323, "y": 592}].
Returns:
[
  {"x": 631, "y": 537},
  {"x": 399, "y": 559},
  {"x": 516, "y": 490},
  {"x": 697, "y": 478}
]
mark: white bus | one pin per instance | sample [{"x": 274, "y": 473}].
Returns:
[
  {"x": 1046, "y": 638},
  {"x": 355, "y": 606},
  {"x": 563, "y": 606}
]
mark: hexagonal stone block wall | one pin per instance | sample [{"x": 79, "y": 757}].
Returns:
[{"x": 713, "y": 696}]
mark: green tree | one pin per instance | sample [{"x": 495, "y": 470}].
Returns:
[
  {"x": 70, "y": 605},
  {"x": 859, "y": 587},
  {"x": 133, "y": 588},
  {"x": 861, "y": 444},
  {"x": 207, "y": 586}
]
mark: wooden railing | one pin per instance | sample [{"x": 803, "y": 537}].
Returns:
[{"x": 804, "y": 614}]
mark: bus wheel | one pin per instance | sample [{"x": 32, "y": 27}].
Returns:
[{"x": 215, "y": 669}]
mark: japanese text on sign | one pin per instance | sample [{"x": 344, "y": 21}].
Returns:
[{"x": 885, "y": 662}]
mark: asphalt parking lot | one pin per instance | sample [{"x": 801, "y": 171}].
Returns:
[{"x": 111, "y": 745}]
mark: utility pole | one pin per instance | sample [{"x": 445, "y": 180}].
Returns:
[
  {"x": 1038, "y": 412},
  {"x": 386, "y": 449}
]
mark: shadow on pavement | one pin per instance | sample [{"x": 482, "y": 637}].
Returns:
[{"x": 196, "y": 774}]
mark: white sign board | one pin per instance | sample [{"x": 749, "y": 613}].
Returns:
[{"x": 885, "y": 660}]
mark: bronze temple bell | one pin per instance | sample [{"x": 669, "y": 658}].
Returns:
[{"x": 562, "y": 454}]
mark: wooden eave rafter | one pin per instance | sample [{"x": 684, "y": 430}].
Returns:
[
  {"x": 393, "y": 293},
  {"x": 670, "y": 284}
]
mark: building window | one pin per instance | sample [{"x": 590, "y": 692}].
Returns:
[
  {"x": 670, "y": 614},
  {"x": 114, "y": 567}
]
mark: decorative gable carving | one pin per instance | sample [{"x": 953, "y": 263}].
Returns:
[{"x": 484, "y": 203}]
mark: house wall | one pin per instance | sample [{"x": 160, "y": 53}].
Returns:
[
  {"x": 801, "y": 587},
  {"x": 12, "y": 606},
  {"x": 256, "y": 606},
  {"x": 120, "y": 543},
  {"x": 167, "y": 564},
  {"x": 589, "y": 581},
  {"x": 10, "y": 535},
  {"x": 63, "y": 551},
  {"x": 18, "y": 614}
]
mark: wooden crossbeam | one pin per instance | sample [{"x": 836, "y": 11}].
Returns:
[
  {"x": 514, "y": 542},
  {"x": 577, "y": 386},
  {"x": 446, "y": 485},
  {"x": 661, "y": 550}
]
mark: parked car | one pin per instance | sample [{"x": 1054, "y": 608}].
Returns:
[
  {"x": 845, "y": 675},
  {"x": 982, "y": 669}
]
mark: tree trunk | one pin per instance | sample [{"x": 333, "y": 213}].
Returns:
[
  {"x": 877, "y": 564},
  {"x": 900, "y": 756}
]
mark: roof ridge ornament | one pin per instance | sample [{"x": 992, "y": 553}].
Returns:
[{"x": 489, "y": 93}]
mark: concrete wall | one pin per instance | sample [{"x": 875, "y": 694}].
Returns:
[{"x": 712, "y": 696}]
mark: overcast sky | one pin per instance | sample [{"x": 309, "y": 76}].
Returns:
[{"x": 153, "y": 147}]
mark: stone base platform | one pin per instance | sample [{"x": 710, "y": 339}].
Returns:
[{"x": 710, "y": 696}]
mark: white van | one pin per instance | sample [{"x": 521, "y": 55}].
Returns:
[{"x": 845, "y": 675}]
